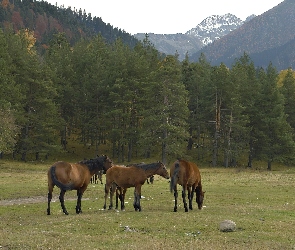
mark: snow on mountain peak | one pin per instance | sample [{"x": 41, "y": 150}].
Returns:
[{"x": 214, "y": 27}]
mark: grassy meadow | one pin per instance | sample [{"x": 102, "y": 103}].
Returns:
[{"x": 260, "y": 202}]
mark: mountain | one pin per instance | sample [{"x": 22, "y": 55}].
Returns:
[
  {"x": 265, "y": 38},
  {"x": 210, "y": 29},
  {"x": 214, "y": 27},
  {"x": 171, "y": 44},
  {"x": 46, "y": 20}
]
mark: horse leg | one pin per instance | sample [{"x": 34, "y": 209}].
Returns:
[
  {"x": 184, "y": 199},
  {"x": 62, "y": 201},
  {"x": 137, "y": 196},
  {"x": 118, "y": 196},
  {"x": 190, "y": 198},
  {"x": 175, "y": 199},
  {"x": 79, "y": 195},
  {"x": 123, "y": 198},
  {"x": 100, "y": 177},
  {"x": 49, "y": 200},
  {"x": 106, "y": 192},
  {"x": 113, "y": 190}
]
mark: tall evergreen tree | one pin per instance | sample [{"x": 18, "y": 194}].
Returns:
[
  {"x": 10, "y": 98},
  {"x": 91, "y": 60},
  {"x": 39, "y": 117},
  {"x": 59, "y": 60},
  {"x": 244, "y": 77},
  {"x": 197, "y": 79},
  {"x": 166, "y": 113},
  {"x": 274, "y": 139},
  {"x": 288, "y": 90},
  {"x": 125, "y": 93}
]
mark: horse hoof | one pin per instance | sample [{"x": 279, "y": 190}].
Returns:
[{"x": 66, "y": 213}]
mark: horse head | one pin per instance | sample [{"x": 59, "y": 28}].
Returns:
[
  {"x": 199, "y": 197},
  {"x": 107, "y": 163},
  {"x": 102, "y": 162},
  {"x": 162, "y": 171}
]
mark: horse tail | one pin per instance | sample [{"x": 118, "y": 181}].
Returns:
[
  {"x": 173, "y": 181},
  {"x": 57, "y": 182}
]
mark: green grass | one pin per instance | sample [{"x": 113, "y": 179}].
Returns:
[{"x": 260, "y": 202}]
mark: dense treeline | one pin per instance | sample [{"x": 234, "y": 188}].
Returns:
[{"x": 139, "y": 104}]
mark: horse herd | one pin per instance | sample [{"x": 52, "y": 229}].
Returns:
[{"x": 76, "y": 176}]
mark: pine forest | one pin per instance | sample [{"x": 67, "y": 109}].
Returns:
[{"x": 140, "y": 103}]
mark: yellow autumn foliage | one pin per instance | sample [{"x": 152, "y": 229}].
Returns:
[{"x": 28, "y": 35}]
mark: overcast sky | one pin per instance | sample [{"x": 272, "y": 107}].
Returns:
[{"x": 165, "y": 16}]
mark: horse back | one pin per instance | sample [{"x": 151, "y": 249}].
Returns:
[
  {"x": 125, "y": 177},
  {"x": 197, "y": 175},
  {"x": 75, "y": 174},
  {"x": 188, "y": 173}
]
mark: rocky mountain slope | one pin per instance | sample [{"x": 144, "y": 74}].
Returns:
[
  {"x": 210, "y": 29},
  {"x": 266, "y": 38}
]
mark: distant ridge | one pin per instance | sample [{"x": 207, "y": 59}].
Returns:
[
  {"x": 265, "y": 38},
  {"x": 210, "y": 29}
]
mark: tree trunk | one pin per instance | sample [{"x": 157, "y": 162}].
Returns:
[
  {"x": 269, "y": 165},
  {"x": 129, "y": 150},
  {"x": 164, "y": 147},
  {"x": 250, "y": 156}
]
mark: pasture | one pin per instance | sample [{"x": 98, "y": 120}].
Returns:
[{"x": 261, "y": 203}]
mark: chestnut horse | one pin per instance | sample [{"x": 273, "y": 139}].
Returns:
[
  {"x": 132, "y": 176},
  {"x": 74, "y": 176},
  {"x": 187, "y": 175},
  {"x": 120, "y": 192}
]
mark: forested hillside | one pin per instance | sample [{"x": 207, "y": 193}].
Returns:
[
  {"x": 136, "y": 104},
  {"x": 45, "y": 20}
]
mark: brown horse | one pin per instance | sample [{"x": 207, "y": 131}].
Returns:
[
  {"x": 120, "y": 192},
  {"x": 74, "y": 176},
  {"x": 133, "y": 176},
  {"x": 187, "y": 175}
]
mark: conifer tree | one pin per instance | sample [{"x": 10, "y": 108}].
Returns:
[
  {"x": 288, "y": 90},
  {"x": 274, "y": 140},
  {"x": 59, "y": 60},
  {"x": 38, "y": 116},
  {"x": 166, "y": 113},
  {"x": 244, "y": 77}
]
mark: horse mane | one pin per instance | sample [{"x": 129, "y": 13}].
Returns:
[
  {"x": 146, "y": 166},
  {"x": 57, "y": 182},
  {"x": 94, "y": 164}
]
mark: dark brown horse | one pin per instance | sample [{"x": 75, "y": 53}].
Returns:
[
  {"x": 187, "y": 175},
  {"x": 133, "y": 176},
  {"x": 74, "y": 176}
]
